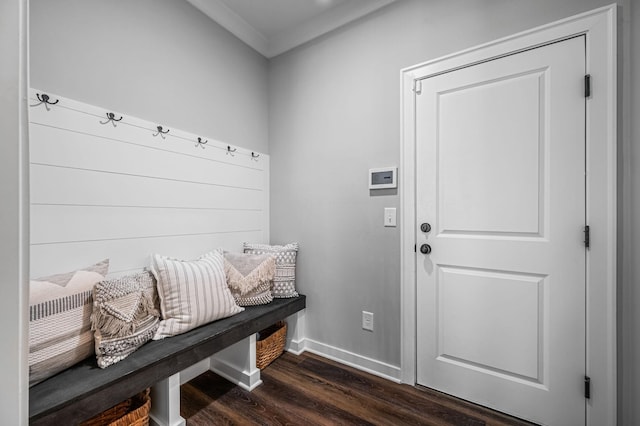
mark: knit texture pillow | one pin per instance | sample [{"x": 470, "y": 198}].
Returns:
[
  {"x": 60, "y": 320},
  {"x": 284, "y": 282},
  {"x": 192, "y": 293},
  {"x": 250, "y": 277},
  {"x": 125, "y": 316}
]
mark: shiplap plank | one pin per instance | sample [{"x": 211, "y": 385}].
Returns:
[
  {"x": 89, "y": 119},
  {"x": 69, "y": 149},
  {"x": 59, "y": 185},
  {"x": 132, "y": 254},
  {"x": 61, "y": 223},
  {"x": 103, "y": 191}
]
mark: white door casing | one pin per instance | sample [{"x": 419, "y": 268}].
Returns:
[
  {"x": 598, "y": 27},
  {"x": 500, "y": 178}
]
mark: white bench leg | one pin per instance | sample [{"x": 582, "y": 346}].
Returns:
[
  {"x": 165, "y": 403},
  {"x": 237, "y": 363},
  {"x": 295, "y": 333}
]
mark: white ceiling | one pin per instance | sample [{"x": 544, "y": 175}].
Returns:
[{"x": 274, "y": 26}]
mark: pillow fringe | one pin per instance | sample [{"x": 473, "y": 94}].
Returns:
[
  {"x": 110, "y": 325},
  {"x": 244, "y": 284}
]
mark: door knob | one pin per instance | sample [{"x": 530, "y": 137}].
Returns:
[
  {"x": 425, "y": 249},
  {"x": 425, "y": 227}
]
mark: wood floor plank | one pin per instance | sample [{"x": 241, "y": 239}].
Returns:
[
  {"x": 410, "y": 396},
  {"x": 412, "y": 407},
  {"x": 311, "y": 390},
  {"x": 350, "y": 392}
]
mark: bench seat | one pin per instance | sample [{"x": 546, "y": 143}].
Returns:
[{"x": 86, "y": 390}]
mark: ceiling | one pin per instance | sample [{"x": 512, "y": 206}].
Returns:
[{"x": 274, "y": 26}]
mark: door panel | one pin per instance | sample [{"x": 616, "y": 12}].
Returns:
[
  {"x": 475, "y": 334},
  {"x": 475, "y": 192},
  {"x": 500, "y": 155}
]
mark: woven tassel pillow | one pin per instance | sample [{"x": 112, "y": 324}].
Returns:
[
  {"x": 250, "y": 277},
  {"x": 125, "y": 316}
]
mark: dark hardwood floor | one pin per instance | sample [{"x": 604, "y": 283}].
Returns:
[{"x": 311, "y": 390}]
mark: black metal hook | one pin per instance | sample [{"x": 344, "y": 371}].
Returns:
[
  {"x": 161, "y": 132},
  {"x": 44, "y": 99},
  {"x": 111, "y": 117},
  {"x": 254, "y": 155},
  {"x": 231, "y": 151},
  {"x": 200, "y": 143}
]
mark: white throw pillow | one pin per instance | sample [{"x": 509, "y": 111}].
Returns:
[{"x": 192, "y": 293}]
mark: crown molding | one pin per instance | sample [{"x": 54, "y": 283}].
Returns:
[
  {"x": 218, "y": 11},
  {"x": 288, "y": 38}
]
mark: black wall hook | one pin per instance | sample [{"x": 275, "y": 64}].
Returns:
[
  {"x": 161, "y": 132},
  {"x": 111, "y": 117},
  {"x": 231, "y": 151},
  {"x": 201, "y": 143},
  {"x": 254, "y": 155},
  {"x": 44, "y": 99}
]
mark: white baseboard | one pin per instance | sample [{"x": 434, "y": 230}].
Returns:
[
  {"x": 372, "y": 366},
  {"x": 296, "y": 347},
  {"x": 248, "y": 380}
]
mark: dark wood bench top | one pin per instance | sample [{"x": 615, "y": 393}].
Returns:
[{"x": 85, "y": 390}]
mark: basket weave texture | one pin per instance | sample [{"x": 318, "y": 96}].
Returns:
[
  {"x": 270, "y": 344},
  {"x": 131, "y": 412}
]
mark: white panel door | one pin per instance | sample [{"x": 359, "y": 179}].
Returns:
[{"x": 500, "y": 177}]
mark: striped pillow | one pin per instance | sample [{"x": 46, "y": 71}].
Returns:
[
  {"x": 59, "y": 320},
  {"x": 192, "y": 293}
]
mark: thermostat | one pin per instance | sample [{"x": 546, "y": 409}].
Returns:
[{"x": 382, "y": 178}]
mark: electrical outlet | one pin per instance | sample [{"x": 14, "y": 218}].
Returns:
[{"x": 367, "y": 320}]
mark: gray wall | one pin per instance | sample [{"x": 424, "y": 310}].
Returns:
[
  {"x": 334, "y": 113},
  {"x": 160, "y": 60}
]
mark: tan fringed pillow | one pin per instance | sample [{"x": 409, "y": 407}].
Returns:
[
  {"x": 250, "y": 277},
  {"x": 125, "y": 316}
]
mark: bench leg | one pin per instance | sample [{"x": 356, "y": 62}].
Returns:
[
  {"x": 165, "y": 402},
  {"x": 237, "y": 363},
  {"x": 295, "y": 333}
]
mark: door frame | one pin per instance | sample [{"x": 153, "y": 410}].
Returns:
[{"x": 599, "y": 27}]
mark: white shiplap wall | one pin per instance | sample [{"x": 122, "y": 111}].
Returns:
[{"x": 122, "y": 191}]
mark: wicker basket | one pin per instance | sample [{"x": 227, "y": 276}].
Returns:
[
  {"x": 270, "y": 344},
  {"x": 132, "y": 412}
]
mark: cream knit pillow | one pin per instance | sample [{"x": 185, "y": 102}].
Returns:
[{"x": 284, "y": 283}]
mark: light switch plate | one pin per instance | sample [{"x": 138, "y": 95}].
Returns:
[
  {"x": 390, "y": 216},
  {"x": 367, "y": 321}
]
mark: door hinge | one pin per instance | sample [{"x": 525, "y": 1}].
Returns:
[
  {"x": 417, "y": 86},
  {"x": 415, "y": 248},
  {"x": 587, "y": 387},
  {"x": 587, "y": 86},
  {"x": 587, "y": 236}
]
